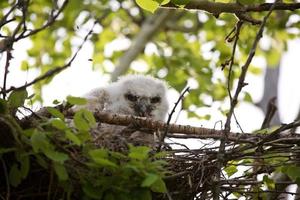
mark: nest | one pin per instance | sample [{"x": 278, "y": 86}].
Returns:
[{"x": 200, "y": 173}]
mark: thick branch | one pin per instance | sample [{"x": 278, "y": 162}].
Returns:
[{"x": 216, "y": 8}]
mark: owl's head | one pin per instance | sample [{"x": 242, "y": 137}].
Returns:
[{"x": 142, "y": 96}]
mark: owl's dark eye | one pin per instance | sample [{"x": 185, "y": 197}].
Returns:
[
  {"x": 155, "y": 99},
  {"x": 131, "y": 97}
]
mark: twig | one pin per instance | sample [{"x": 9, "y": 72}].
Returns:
[
  {"x": 231, "y": 62},
  {"x": 6, "y": 71},
  {"x": 54, "y": 71},
  {"x": 162, "y": 138},
  {"x": 234, "y": 100},
  {"x": 271, "y": 110}
]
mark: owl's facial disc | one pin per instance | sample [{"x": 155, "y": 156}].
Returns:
[{"x": 142, "y": 106}]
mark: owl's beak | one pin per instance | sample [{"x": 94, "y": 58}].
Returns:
[{"x": 142, "y": 108}]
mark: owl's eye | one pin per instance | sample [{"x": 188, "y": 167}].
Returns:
[
  {"x": 155, "y": 99},
  {"x": 131, "y": 97}
]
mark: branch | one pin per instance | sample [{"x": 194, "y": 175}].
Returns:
[
  {"x": 173, "y": 129},
  {"x": 170, "y": 117},
  {"x": 149, "y": 28},
  {"x": 216, "y": 8},
  {"x": 54, "y": 71}
]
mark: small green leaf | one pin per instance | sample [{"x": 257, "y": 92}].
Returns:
[
  {"x": 17, "y": 98},
  {"x": 269, "y": 182},
  {"x": 39, "y": 141},
  {"x": 71, "y": 136},
  {"x": 230, "y": 170},
  {"x": 61, "y": 171},
  {"x": 57, "y": 123},
  {"x": 100, "y": 156},
  {"x": 56, "y": 102},
  {"x": 149, "y": 180},
  {"x": 55, "y": 113},
  {"x": 98, "y": 153},
  {"x": 76, "y": 100},
  {"x": 248, "y": 97},
  {"x": 159, "y": 186},
  {"x": 293, "y": 172},
  {"x": 25, "y": 165},
  {"x": 24, "y": 65},
  {"x": 3, "y": 106},
  {"x": 148, "y": 5},
  {"x": 55, "y": 155},
  {"x": 180, "y": 2},
  {"x": 139, "y": 153},
  {"x": 15, "y": 176},
  {"x": 84, "y": 120}
]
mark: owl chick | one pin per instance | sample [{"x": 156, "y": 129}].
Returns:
[{"x": 137, "y": 95}]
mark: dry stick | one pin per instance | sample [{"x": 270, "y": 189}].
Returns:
[
  {"x": 162, "y": 138},
  {"x": 13, "y": 38},
  {"x": 231, "y": 62},
  {"x": 4, "y": 20},
  {"x": 233, "y": 103},
  {"x": 52, "y": 19},
  {"x": 9, "y": 44},
  {"x": 6, "y": 71},
  {"x": 203, "y": 133},
  {"x": 54, "y": 71}
]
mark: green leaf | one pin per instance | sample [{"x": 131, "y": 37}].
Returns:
[
  {"x": 15, "y": 176},
  {"x": 57, "y": 123},
  {"x": 162, "y": 2},
  {"x": 76, "y": 100},
  {"x": 293, "y": 172},
  {"x": 71, "y": 136},
  {"x": 230, "y": 170},
  {"x": 25, "y": 165},
  {"x": 139, "y": 153},
  {"x": 24, "y": 65},
  {"x": 61, "y": 171},
  {"x": 39, "y": 141},
  {"x": 100, "y": 156},
  {"x": 56, "y": 102},
  {"x": 84, "y": 120},
  {"x": 159, "y": 186},
  {"x": 98, "y": 153},
  {"x": 248, "y": 97},
  {"x": 55, "y": 155},
  {"x": 17, "y": 98},
  {"x": 149, "y": 180},
  {"x": 3, "y": 106},
  {"x": 148, "y": 5},
  {"x": 180, "y": 2},
  {"x": 269, "y": 182},
  {"x": 55, "y": 113}
]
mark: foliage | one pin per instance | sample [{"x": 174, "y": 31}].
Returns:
[{"x": 56, "y": 145}]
